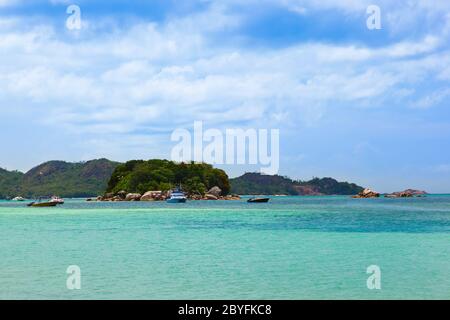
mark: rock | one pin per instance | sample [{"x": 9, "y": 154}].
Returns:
[
  {"x": 210, "y": 197},
  {"x": 151, "y": 196},
  {"x": 195, "y": 197},
  {"x": 117, "y": 198},
  {"x": 133, "y": 197},
  {"x": 416, "y": 192},
  {"x": 232, "y": 197},
  {"x": 215, "y": 191},
  {"x": 108, "y": 196},
  {"x": 122, "y": 194},
  {"x": 367, "y": 193},
  {"x": 408, "y": 193}
]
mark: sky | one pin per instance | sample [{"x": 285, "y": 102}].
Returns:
[{"x": 359, "y": 105}]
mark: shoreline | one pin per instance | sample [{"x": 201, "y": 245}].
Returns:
[{"x": 93, "y": 199}]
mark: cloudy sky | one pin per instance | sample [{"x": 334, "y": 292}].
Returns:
[{"x": 368, "y": 106}]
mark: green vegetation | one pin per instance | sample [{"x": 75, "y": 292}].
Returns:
[
  {"x": 9, "y": 183},
  {"x": 141, "y": 176},
  {"x": 256, "y": 183},
  {"x": 84, "y": 179},
  {"x": 92, "y": 178},
  {"x": 329, "y": 186}
]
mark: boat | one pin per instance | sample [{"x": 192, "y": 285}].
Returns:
[
  {"x": 258, "y": 200},
  {"x": 57, "y": 199},
  {"x": 40, "y": 203},
  {"x": 18, "y": 199},
  {"x": 43, "y": 204},
  {"x": 177, "y": 196}
]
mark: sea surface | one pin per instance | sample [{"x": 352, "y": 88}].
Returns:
[{"x": 289, "y": 248}]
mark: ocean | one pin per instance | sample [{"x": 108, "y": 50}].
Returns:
[{"x": 289, "y": 248}]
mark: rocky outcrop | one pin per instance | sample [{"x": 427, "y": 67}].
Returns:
[
  {"x": 149, "y": 196},
  {"x": 232, "y": 197},
  {"x": 162, "y": 196},
  {"x": 133, "y": 197},
  {"x": 122, "y": 194},
  {"x": 367, "y": 193},
  {"x": 210, "y": 197},
  {"x": 215, "y": 191},
  {"x": 213, "y": 197},
  {"x": 154, "y": 196},
  {"x": 408, "y": 193}
]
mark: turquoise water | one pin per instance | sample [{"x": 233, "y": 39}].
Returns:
[{"x": 290, "y": 248}]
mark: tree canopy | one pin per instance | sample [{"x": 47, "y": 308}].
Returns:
[{"x": 141, "y": 176}]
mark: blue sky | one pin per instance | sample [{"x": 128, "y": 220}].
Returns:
[{"x": 369, "y": 106}]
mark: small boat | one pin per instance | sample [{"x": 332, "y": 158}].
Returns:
[
  {"x": 56, "y": 199},
  {"x": 258, "y": 200},
  {"x": 43, "y": 204},
  {"x": 39, "y": 203},
  {"x": 177, "y": 196},
  {"x": 18, "y": 199}
]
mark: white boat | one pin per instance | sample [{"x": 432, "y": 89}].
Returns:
[
  {"x": 18, "y": 199},
  {"x": 177, "y": 196},
  {"x": 57, "y": 200}
]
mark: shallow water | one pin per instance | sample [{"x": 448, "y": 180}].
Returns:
[{"x": 290, "y": 248}]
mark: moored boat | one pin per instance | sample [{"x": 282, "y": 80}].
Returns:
[
  {"x": 18, "y": 199},
  {"x": 177, "y": 196},
  {"x": 43, "y": 204},
  {"x": 258, "y": 200}
]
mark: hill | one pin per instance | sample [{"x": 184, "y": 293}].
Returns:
[
  {"x": 256, "y": 183},
  {"x": 139, "y": 176},
  {"x": 9, "y": 183},
  {"x": 82, "y": 179},
  {"x": 92, "y": 178}
]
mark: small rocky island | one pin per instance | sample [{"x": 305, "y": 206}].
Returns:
[
  {"x": 408, "y": 193},
  {"x": 367, "y": 193},
  {"x": 153, "y": 180}
]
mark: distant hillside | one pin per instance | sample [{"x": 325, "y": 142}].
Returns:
[
  {"x": 9, "y": 182},
  {"x": 92, "y": 178},
  {"x": 256, "y": 183},
  {"x": 83, "y": 179}
]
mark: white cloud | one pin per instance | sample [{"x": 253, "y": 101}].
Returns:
[
  {"x": 152, "y": 76},
  {"x": 5, "y": 3},
  {"x": 432, "y": 99}
]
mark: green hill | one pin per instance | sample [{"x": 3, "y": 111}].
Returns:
[
  {"x": 82, "y": 179},
  {"x": 256, "y": 183},
  {"x": 92, "y": 178},
  {"x": 329, "y": 186},
  {"x": 141, "y": 176},
  {"x": 9, "y": 183}
]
